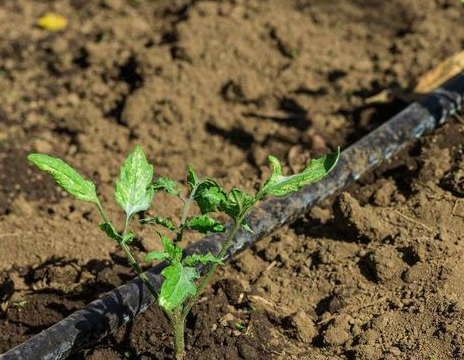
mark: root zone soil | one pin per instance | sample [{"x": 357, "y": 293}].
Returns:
[{"x": 374, "y": 274}]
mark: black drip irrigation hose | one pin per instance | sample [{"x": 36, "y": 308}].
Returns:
[{"x": 103, "y": 316}]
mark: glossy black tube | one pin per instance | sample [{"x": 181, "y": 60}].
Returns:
[{"x": 105, "y": 315}]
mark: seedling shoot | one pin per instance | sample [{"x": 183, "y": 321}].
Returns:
[{"x": 134, "y": 192}]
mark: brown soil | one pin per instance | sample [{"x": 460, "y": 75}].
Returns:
[{"x": 378, "y": 275}]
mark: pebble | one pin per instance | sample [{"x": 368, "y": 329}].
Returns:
[{"x": 304, "y": 325}]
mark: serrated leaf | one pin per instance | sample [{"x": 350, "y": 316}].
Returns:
[
  {"x": 192, "y": 177},
  {"x": 156, "y": 255},
  {"x": 167, "y": 223},
  {"x": 238, "y": 201},
  {"x": 175, "y": 252},
  {"x": 68, "y": 178},
  {"x": 246, "y": 227},
  {"x": 133, "y": 189},
  {"x": 111, "y": 231},
  {"x": 209, "y": 196},
  {"x": 279, "y": 185},
  {"x": 179, "y": 283},
  {"x": 205, "y": 224},
  {"x": 170, "y": 186},
  {"x": 127, "y": 238},
  {"x": 192, "y": 260}
]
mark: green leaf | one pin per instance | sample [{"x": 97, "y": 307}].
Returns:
[
  {"x": 68, "y": 178},
  {"x": 168, "y": 185},
  {"x": 279, "y": 185},
  {"x": 127, "y": 238},
  {"x": 238, "y": 202},
  {"x": 205, "y": 224},
  {"x": 111, "y": 231},
  {"x": 239, "y": 326},
  {"x": 133, "y": 189},
  {"x": 179, "y": 283},
  {"x": 192, "y": 260},
  {"x": 192, "y": 177},
  {"x": 246, "y": 227},
  {"x": 209, "y": 196},
  {"x": 167, "y": 223},
  {"x": 175, "y": 252},
  {"x": 171, "y": 252},
  {"x": 156, "y": 255}
]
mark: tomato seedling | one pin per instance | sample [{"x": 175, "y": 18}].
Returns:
[{"x": 134, "y": 192}]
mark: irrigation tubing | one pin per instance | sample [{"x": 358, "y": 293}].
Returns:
[{"x": 103, "y": 316}]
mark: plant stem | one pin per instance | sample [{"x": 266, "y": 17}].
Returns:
[
  {"x": 130, "y": 258},
  {"x": 185, "y": 211},
  {"x": 209, "y": 274},
  {"x": 102, "y": 212},
  {"x": 135, "y": 265},
  {"x": 178, "y": 326}
]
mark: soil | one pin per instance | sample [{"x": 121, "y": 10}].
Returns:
[{"x": 374, "y": 274}]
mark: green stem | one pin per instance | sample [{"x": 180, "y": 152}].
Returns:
[
  {"x": 178, "y": 326},
  {"x": 135, "y": 265},
  {"x": 209, "y": 274},
  {"x": 102, "y": 212},
  {"x": 185, "y": 211},
  {"x": 130, "y": 258}
]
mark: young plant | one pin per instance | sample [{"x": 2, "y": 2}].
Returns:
[{"x": 134, "y": 192}]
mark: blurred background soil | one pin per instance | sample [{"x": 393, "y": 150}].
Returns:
[{"x": 221, "y": 85}]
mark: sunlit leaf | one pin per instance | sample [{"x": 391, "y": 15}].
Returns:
[
  {"x": 68, "y": 178},
  {"x": 127, "y": 238},
  {"x": 170, "y": 186},
  {"x": 194, "y": 259},
  {"x": 279, "y": 185},
  {"x": 133, "y": 189},
  {"x": 110, "y": 231},
  {"x": 205, "y": 224},
  {"x": 246, "y": 227},
  {"x": 167, "y": 223},
  {"x": 209, "y": 196},
  {"x": 179, "y": 283},
  {"x": 175, "y": 252},
  {"x": 238, "y": 201},
  {"x": 156, "y": 255},
  {"x": 192, "y": 177}
]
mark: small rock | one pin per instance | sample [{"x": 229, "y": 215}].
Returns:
[
  {"x": 366, "y": 352},
  {"x": 153, "y": 339},
  {"x": 338, "y": 332},
  {"x": 227, "y": 319},
  {"x": 386, "y": 264},
  {"x": 265, "y": 285},
  {"x": 416, "y": 273},
  {"x": 84, "y": 115},
  {"x": 304, "y": 326},
  {"x": 359, "y": 222},
  {"x": 369, "y": 337},
  {"x": 321, "y": 214},
  {"x": 318, "y": 143},
  {"x": 335, "y": 336},
  {"x": 394, "y": 351},
  {"x": 22, "y": 207},
  {"x": 114, "y": 4},
  {"x": 247, "y": 351},
  {"x": 384, "y": 194},
  {"x": 42, "y": 146}
]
